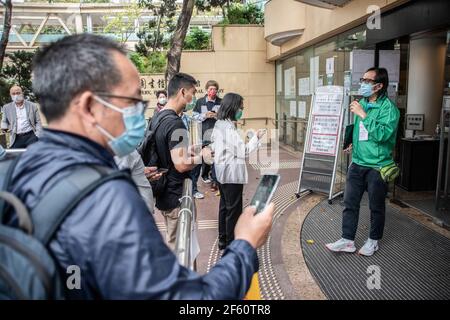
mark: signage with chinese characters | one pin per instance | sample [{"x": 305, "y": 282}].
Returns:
[
  {"x": 415, "y": 122},
  {"x": 325, "y": 120},
  {"x": 319, "y": 163}
]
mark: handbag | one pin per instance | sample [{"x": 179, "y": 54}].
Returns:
[{"x": 390, "y": 172}]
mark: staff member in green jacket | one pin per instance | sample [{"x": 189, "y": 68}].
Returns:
[{"x": 374, "y": 134}]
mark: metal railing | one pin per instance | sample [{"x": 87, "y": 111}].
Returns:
[{"x": 185, "y": 229}]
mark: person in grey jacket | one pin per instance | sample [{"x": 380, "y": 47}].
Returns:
[
  {"x": 229, "y": 162},
  {"x": 21, "y": 119},
  {"x": 91, "y": 96}
]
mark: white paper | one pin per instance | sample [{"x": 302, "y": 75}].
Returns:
[
  {"x": 360, "y": 62},
  {"x": 363, "y": 133},
  {"x": 303, "y": 87},
  {"x": 293, "y": 108},
  {"x": 324, "y": 145},
  {"x": 330, "y": 66},
  {"x": 289, "y": 82},
  {"x": 302, "y": 109},
  {"x": 313, "y": 73},
  {"x": 327, "y": 104},
  {"x": 279, "y": 78},
  {"x": 327, "y": 125},
  {"x": 390, "y": 59}
]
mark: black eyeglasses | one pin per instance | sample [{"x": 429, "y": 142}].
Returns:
[
  {"x": 364, "y": 80},
  {"x": 139, "y": 103}
]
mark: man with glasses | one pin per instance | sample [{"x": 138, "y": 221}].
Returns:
[
  {"x": 90, "y": 94},
  {"x": 374, "y": 134}
]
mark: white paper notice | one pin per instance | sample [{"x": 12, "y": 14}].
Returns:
[
  {"x": 361, "y": 61},
  {"x": 302, "y": 109},
  {"x": 330, "y": 66},
  {"x": 279, "y": 78},
  {"x": 313, "y": 73},
  {"x": 327, "y": 104},
  {"x": 289, "y": 82},
  {"x": 321, "y": 144},
  {"x": 293, "y": 108},
  {"x": 325, "y": 125},
  {"x": 303, "y": 87},
  {"x": 390, "y": 59}
]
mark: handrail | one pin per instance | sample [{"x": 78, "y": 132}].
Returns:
[
  {"x": 186, "y": 220},
  {"x": 274, "y": 121}
]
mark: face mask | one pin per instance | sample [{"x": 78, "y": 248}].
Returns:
[
  {"x": 134, "y": 120},
  {"x": 191, "y": 105},
  {"x": 238, "y": 115},
  {"x": 162, "y": 101},
  {"x": 365, "y": 90},
  {"x": 17, "y": 98},
  {"x": 212, "y": 94}
]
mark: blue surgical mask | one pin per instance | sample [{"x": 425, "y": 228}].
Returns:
[
  {"x": 134, "y": 121},
  {"x": 365, "y": 89}
]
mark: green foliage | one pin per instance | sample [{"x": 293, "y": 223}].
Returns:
[
  {"x": 16, "y": 70},
  {"x": 155, "y": 35},
  {"x": 122, "y": 23},
  {"x": 244, "y": 14},
  {"x": 197, "y": 39},
  {"x": 154, "y": 63}
]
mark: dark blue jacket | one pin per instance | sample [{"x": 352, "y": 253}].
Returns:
[{"x": 112, "y": 236}]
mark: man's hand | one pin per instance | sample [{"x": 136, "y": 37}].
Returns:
[
  {"x": 255, "y": 228},
  {"x": 357, "y": 109},
  {"x": 349, "y": 148},
  {"x": 210, "y": 114},
  {"x": 152, "y": 174},
  {"x": 5, "y": 130}
]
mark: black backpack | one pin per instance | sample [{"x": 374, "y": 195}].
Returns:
[
  {"x": 149, "y": 151},
  {"x": 27, "y": 269}
]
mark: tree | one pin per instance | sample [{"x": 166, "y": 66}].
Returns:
[
  {"x": 18, "y": 71},
  {"x": 7, "y": 4},
  {"x": 122, "y": 23},
  {"x": 174, "y": 54},
  {"x": 152, "y": 37}
]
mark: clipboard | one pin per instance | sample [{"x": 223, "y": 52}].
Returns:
[{"x": 348, "y": 136}]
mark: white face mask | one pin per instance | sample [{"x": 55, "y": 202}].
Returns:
[
  {"x": 162, "y": 101},
  {"x": 17, "y": 98}
]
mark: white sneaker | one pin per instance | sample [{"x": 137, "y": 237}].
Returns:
[
  {"x": 198, "y": 195},
  {"x": 369, "y": 248},
  {"x": 206, "y": 181},
  {"x": 342, "y": 245}
]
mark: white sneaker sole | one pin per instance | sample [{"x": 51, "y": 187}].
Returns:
[
  {"x": 368, "y": 254},
  {"x": 348, "y": 250}
]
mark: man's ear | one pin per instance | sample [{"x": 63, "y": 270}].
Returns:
[{"x": 84, "y": 105}]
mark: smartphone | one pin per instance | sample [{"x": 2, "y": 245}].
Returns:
[
  {"x": 265, "y": 191},
  {"x": 162, "y": 170}
]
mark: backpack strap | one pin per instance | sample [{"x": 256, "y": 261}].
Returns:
[
  {"x": 65, "y": 195},
  {"x": 150, "y": 134},
  {"x": 6, "y": 171}
]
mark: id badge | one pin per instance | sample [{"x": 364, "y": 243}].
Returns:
[{"x": 363, "y": 133}]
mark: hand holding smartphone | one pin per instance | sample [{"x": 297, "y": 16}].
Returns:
[{"x": 265, "y": 191}]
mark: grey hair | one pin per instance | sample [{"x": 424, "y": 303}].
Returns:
[{"x": 70, "y": 66}]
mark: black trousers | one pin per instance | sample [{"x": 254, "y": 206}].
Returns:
[
  {"x": 360, "y": 179},
  {"x": 24, "y": 140},
  {"x": 230, "y": 209}
]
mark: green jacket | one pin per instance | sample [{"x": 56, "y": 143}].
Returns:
[{"x": 381, "y": 124}]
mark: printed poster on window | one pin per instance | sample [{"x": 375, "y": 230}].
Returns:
[{"x": 289, "y": 83}]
